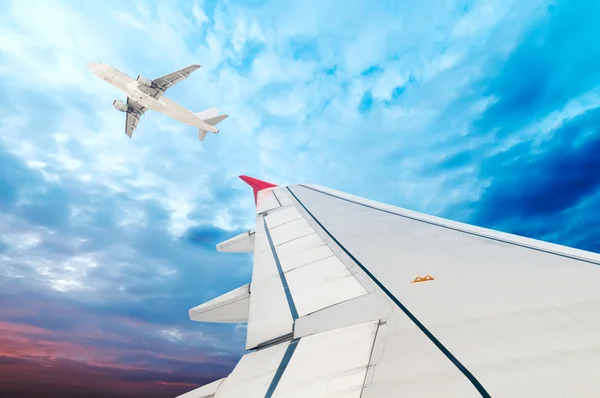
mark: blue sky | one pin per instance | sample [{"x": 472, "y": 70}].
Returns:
[{"x": 485, "y": 112}]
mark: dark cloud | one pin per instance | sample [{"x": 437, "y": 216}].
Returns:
[
  {"x": 41, "y": 326},
  {"x": 366, "y": 102},
  {"x": 558, "y": 177},
  {"x": 556, "y": 61},
  {"x": 64, "y": 378},
  {"x": 12, "y": 174},
  {"x": 372, "y": 71},
  {"x": 141, "y": 289},
  {"x": 205, "y": 236},
  {"x": 537, "y": 185},
  {"x": 49, "y": 207}
]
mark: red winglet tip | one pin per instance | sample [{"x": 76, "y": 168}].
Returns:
[{"x": 257, "y": 185}]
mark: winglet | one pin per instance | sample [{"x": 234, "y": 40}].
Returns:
[{"x": 257, "y": 185}]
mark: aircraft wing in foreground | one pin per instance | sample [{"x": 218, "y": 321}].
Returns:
[
  {"x": 143, "y": 94},
  {"x": 354, "y": 298}
]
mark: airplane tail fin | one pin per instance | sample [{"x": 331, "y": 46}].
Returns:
[{"x": 213, "y": 121}]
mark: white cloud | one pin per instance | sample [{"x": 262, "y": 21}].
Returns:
[
  {"x": 482, "y": 16},
  {"x": 289, "y": 120},
  {"x": 388, "y": 81},
  {"x": 199, "y": 14}
]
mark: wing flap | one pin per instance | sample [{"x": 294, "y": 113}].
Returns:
[
  {"x": 253, "y": 374},
  {"x": 321, "y": 284},
  {"x": 294, "y": 248},
  {"x": 290, "y": 231},
  {"x": 365, "y": 308},
  {"x": 329, "y": 364},
  {"x": 284, "y": 216},
  {"x": 314, "y": 252}
]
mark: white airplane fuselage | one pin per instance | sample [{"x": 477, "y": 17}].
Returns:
[{"x": 161, "y": 104}]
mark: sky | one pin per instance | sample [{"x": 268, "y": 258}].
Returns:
[{"x": 485, "y": 112}]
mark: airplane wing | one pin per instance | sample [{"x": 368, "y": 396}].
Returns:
[
  {"x": 133, "y": 117},
  {"x": 358, "y": 299},
  {"x": 167, "y": 81}
]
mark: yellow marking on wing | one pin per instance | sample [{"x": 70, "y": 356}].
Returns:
[{"x": 423, "y": 279}]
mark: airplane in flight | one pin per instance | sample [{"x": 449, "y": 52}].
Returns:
[
  {"x": 354, "y": 298},
  {"x": 143, "y": 94}
]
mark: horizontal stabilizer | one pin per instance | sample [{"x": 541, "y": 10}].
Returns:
[
  {"x": 213, "y": 121},
  {"x": 231, "y": 307},
  {"x": 211, "y": 118},
  {"x": 208, "y": 113},
  {"x": 242, "y": 243}
]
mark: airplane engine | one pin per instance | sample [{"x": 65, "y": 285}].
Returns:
[
  {"x": 119, "y": 105},
  {"x": 145, "y": 82}
]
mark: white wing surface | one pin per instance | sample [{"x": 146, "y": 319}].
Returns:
[
  {"x": 355, "y": 298},
  {"x": 171, "y": 79},
  {"x": 133, "y": 116}
]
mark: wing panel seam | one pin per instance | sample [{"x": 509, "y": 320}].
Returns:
[
  {"x": 296, "y": 238},
  {"x": 370, "y": 358},
  {"x": 287, "y": 356},
  {"x": 276, "y": 198},
  {"x": 273, "y": 341},
  {"x": 286, "y": 288},
  {"x": 287, "y": 222}
]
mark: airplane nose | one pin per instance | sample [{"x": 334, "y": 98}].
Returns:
[{"x": 97, "y": 68}]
